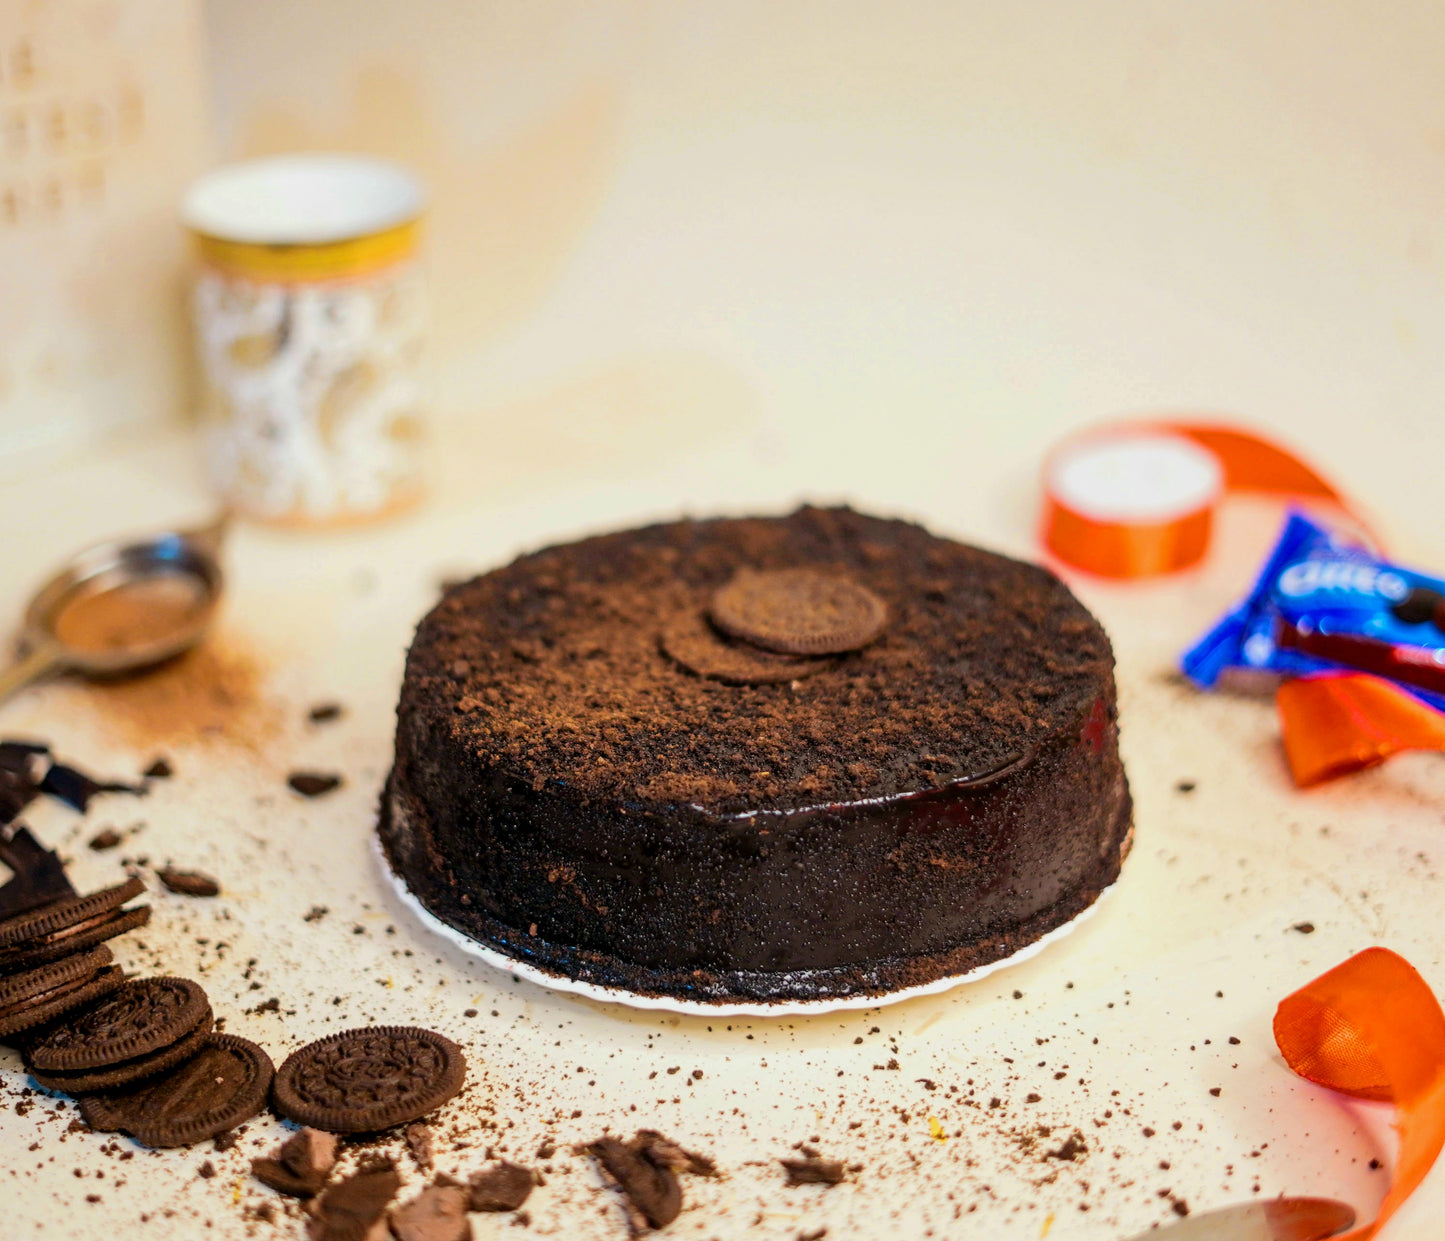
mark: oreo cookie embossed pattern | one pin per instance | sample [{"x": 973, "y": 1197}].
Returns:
[{"x": 360, "y": 1081}]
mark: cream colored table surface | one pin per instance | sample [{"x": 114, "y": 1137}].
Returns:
[{"x": 1123, "y": 1030}]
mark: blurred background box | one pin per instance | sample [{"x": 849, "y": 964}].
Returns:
[{"x": 103, "y": 121}]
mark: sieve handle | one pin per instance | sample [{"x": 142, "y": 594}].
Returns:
[{"x": 39, "y": 661}]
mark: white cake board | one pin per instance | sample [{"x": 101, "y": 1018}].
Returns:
[{"x": 704, "y": 1008}]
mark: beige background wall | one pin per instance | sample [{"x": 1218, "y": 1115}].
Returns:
[
  {"x": 977, "y": 212},
  {"x": 103, "y": 121},
  {"x": 659, "y": 223}
]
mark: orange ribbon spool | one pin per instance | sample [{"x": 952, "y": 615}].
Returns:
[
  {"x": 1137, "y": 499},
  {"x": 1372, "y": 1028}
]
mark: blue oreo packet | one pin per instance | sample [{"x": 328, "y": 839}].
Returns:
[{"x": 1322, "y": 603}]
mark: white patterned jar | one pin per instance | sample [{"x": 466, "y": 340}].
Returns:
[{"x": 311, "y": 318}]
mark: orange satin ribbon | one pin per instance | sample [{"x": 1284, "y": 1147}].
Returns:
[
  {"x": 1116, "y": 549},
  {"x": 1336, "y": 723},
  {"x": 1372, "y": 1028}
]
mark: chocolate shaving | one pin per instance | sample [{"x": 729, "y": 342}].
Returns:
[
  {"x": 813, "y": 1171},
  {"x": 419, "y": 1142},
  {"x": 75, "y": 788},
  {"x": 187, "y": 882},
  {"x": 38, "y": 878}
]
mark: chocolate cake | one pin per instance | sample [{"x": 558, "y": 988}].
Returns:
[{"x": 770, "y": 758}]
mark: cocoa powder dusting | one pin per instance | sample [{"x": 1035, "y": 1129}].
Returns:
[
  {"x": 552, "y": 668},
  {"x": 210, "y": 695}
]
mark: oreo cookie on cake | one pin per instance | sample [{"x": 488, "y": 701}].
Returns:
[{"x": 804, "y": 757}]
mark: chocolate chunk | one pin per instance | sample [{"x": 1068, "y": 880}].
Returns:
[
  {"x": 667, "y": 1153},
  {"x": 143, "y": 1016},
  {"x": 503, "y": 1187},
  {"x": 16, "y": 755},
  {"x": 38, "y": 877},
  {"x": 224, "y": 1083},
  {"x": 300, "y": 1166},
  {"x": 160, "y": 769},
  {"x": 48, "y": 1005},
  {"x": 106, "y": 838},
  {"x": 276, "y": 1175},
  {"x": 325, "y": 712},
  {"x": 1071, "y": 1150},
  {"x": 813, "y": 1170},
  {"x": 689, "y": 640},
  {"x": 313, "y": 783},
  {"x": 355, "y": 1209},
  {"x": 21, "y": 768},
  {"x": 419, "y": 1142},
  {"x": 75, "y": 788},
  {"x": 189, "y": 882},
  {"x": 438, "y": 1213},
  {"x": 799, "y": 611},
  {"x": 653, "y": 1189},
  {"x": 125, "y": 1072},
  {"x": 359, "y": 1081},
  {"x": 311, "y": 1152}
]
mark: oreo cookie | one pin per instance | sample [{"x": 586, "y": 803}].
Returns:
[
  {"x": 223, "y": 1084},
  {"x": 72, "y": 939},
  {"x": 47, "y": 1005},
  {"x": 62, "y": 927},
  {"x": 799, "y": 611},
  {"x": 24, "y": 987},
  {"x": 360, "y": 1081},
  {"x": 687, "y": 639},
  {"x": 126, "y": 1072},
  {"x": 145, "y": 1016}
]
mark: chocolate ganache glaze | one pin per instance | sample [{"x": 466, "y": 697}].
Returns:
[{"x": 592, "y": 776}]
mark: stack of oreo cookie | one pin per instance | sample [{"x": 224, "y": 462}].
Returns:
[
  {"x": 140, "y": 1055},
  {"x": 54, "y": 959}
]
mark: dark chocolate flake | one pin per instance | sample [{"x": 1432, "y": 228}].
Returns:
[
  {"x": 313, "y": 783},
  {"x": 814, "y": 1170},
  {"x": 653, "y": 1190},
  {"x": 75, "y": 788},
  {"x": 188, "y": 882}
]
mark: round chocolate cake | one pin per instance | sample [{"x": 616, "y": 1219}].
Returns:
[{"x": 772, "y": 758}]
